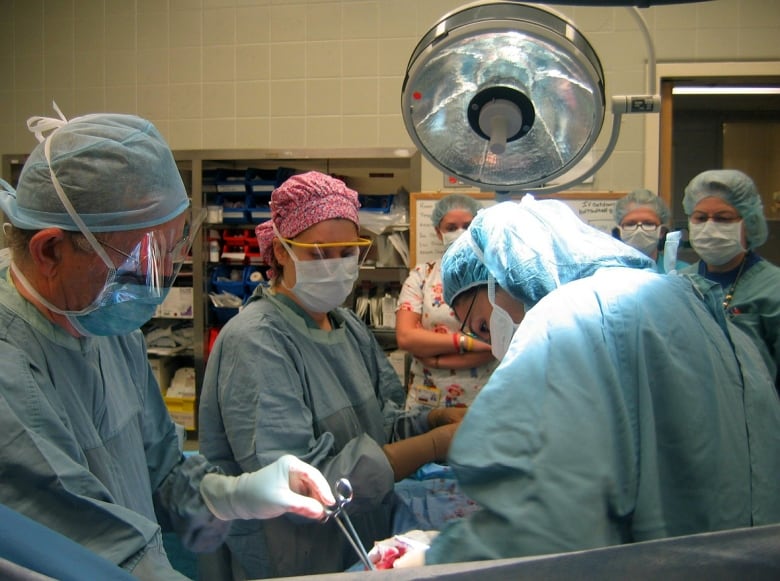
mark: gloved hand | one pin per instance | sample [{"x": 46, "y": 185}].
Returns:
[
  {"x": 408, "y": 455},
  {"x": 287, "y": 485},
  {"x": 447, "y": 415}
]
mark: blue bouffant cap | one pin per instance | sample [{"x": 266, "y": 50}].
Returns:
[{"x": 116, "y": 170}]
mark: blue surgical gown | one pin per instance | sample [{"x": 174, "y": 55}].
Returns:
[
  {"x": 275, "y": 383},
  {"x": 87, "y": 447},
  {"x": 603, "y": 425}
]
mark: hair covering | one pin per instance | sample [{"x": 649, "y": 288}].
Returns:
[
  {"x": 531, "y": 248},
  {"x": 737, "y": 189},
  {"x": 117, "y": 171},
  {"x": 453, "y": 202},
  {"x": 641, "y": 199},
  {"x": 302, "y": 201}
]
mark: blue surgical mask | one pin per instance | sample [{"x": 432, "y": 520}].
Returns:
[{"x": 123, "y": 308}]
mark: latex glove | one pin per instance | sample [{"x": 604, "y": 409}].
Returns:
[
  {"x": 287, "y": 485},
  {"x": 412, "y": 558},
  {"x": 402, "y": 551},
  {"x": 447, "y": 415}
]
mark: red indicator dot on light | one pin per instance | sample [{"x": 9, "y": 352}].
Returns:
[
  {"x": 417, "y": 95},
  {"x": 452, "y": 180}
]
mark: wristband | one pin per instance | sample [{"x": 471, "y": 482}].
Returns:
[
  {"x": 456, "y": 343},
  {"x": 469, "y": 343},
  {"x": 462, "y": 343}
]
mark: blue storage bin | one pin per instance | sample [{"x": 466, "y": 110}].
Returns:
[
  {"x": 376, "y": 203},
  {"x": 249, "y": 284},
  {"x": 221, "y": 281}
]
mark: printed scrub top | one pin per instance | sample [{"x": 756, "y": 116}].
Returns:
[{"x": 428, "y": 387}]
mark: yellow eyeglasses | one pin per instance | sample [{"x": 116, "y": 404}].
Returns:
[{"x": 325, "y": 250}]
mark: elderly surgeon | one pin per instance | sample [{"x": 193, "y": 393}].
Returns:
[
  {"x": 625, "y": 408},
  {"x": 100, "y": 224},
  {"x": 727, "y": 224}
]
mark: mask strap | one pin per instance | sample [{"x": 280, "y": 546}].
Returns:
[{"x": 39, "y": 125}]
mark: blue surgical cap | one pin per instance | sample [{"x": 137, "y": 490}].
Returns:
[
  {"x": 531, "y": 248},
  {"x": 641, "y": 199},
  {"x": 116, "y": 170},
  {"x": 736, "y": 189},
  {"x": 454, "y": 202}
]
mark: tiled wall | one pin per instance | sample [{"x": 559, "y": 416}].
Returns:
[{"x": 306, "y": 73}]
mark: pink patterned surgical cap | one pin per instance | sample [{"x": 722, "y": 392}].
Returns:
[{"x": 302, "y": 201}]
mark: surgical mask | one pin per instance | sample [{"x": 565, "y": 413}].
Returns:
[
  {"x": 716, "y": 242},
  {"x": 124, "y": 309},
  {"x": 502, "y": 326},
  {"x": 645, "y": 242},
  {"x": 447, "y": 238},
  {"x": 322, "y": 285}
]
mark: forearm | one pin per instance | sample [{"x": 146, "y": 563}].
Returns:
[
  {"x": 467, "y": 360},
  {"x": 421, "y": 342}
]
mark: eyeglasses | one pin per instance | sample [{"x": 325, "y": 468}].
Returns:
[
  {"x": 632, "y": 227},
  {"x": 319, "y": 250},
  {"x": 725, "y": 217},
  {"x": 466, "y": 318}
]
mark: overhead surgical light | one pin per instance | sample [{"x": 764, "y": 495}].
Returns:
[{"x": 510, "y": 96}]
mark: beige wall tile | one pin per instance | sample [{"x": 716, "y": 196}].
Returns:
[
  {"x": 253, "y": 133},
  {"x": 253, "y": 99},
  {"x": 219, "y": 133},
  {"x": 759, "y": 43},
  {"x": 90, "y": 34},
  {"x": 120, "y": 32},
  {"x": 153, "y": 101},
  {"x": 360, "y": 20},
  {"x": 185, "y": 65},
  {"x": 360, "y": 96},
  {"x": 394, "y": 18},
  {"x": 253, "y": 24},
  {"x": 288, "y": 60},
  {"x": 288, "y": 98},
  {"x": 153, "y": 66},
  {"x": 360, "y": 58},
  {"x": 219, "y": 99},
  {"x": 58, "y": 71},
  {"x": 323, "y": 132},
  {"x": 28, "y": 35},
  {"x": 186, "y": 101},
  {"x": 287, "y": 23},
  {"x": 185, "y": 134},
  {"x": 186, "y": 28},
  {"x": 89, "y": 100},
  {"x": 219, "y": 26},
  {"x": 253, "y": 62},
  {"x": 323, "y": 97},
  {"x": 323, "y": 59},
  {"x": 121, "y": 67},
  {"x": 219, "y": 63},
  {"x": 28, "y": 73},
  {"x": 390, "y": 95},
  {"x": 287, "y": 132},
  {"x": 392, "y": 131},
  {"x": 394, "y": 55},
  {"x": 323, "y": 22},
  {"x": 121, "y": 99},
  {"x": 153, "y": 30},
  {"x": 359, "y": 131}
]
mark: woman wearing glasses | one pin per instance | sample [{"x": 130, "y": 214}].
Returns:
[
  {"x": 727, "y": 224},
  {"x": 449, "y": 366},
  {"x": 295, "y": 373},
  {"x": 642, "y": 218}
]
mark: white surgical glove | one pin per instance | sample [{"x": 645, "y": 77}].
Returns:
[{"x": 287, "y": 485}]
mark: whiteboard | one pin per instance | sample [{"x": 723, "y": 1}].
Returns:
[
  {"x": 594, "y": 208},
  {"x": 424, "y": 245}
]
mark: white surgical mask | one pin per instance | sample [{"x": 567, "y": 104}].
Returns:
[
  {"x": 448, "y": 238},
  {"x": 716, "y": 242},
  {"x": 645, "y": 242},
  {"x": 502, "y": 326},
  {"x": 322, "y": 285}
]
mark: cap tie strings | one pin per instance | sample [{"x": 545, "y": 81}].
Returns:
[{"x": 40, "y": 125}]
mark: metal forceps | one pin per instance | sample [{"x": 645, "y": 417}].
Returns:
[{"x": 343, "y": 493}]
